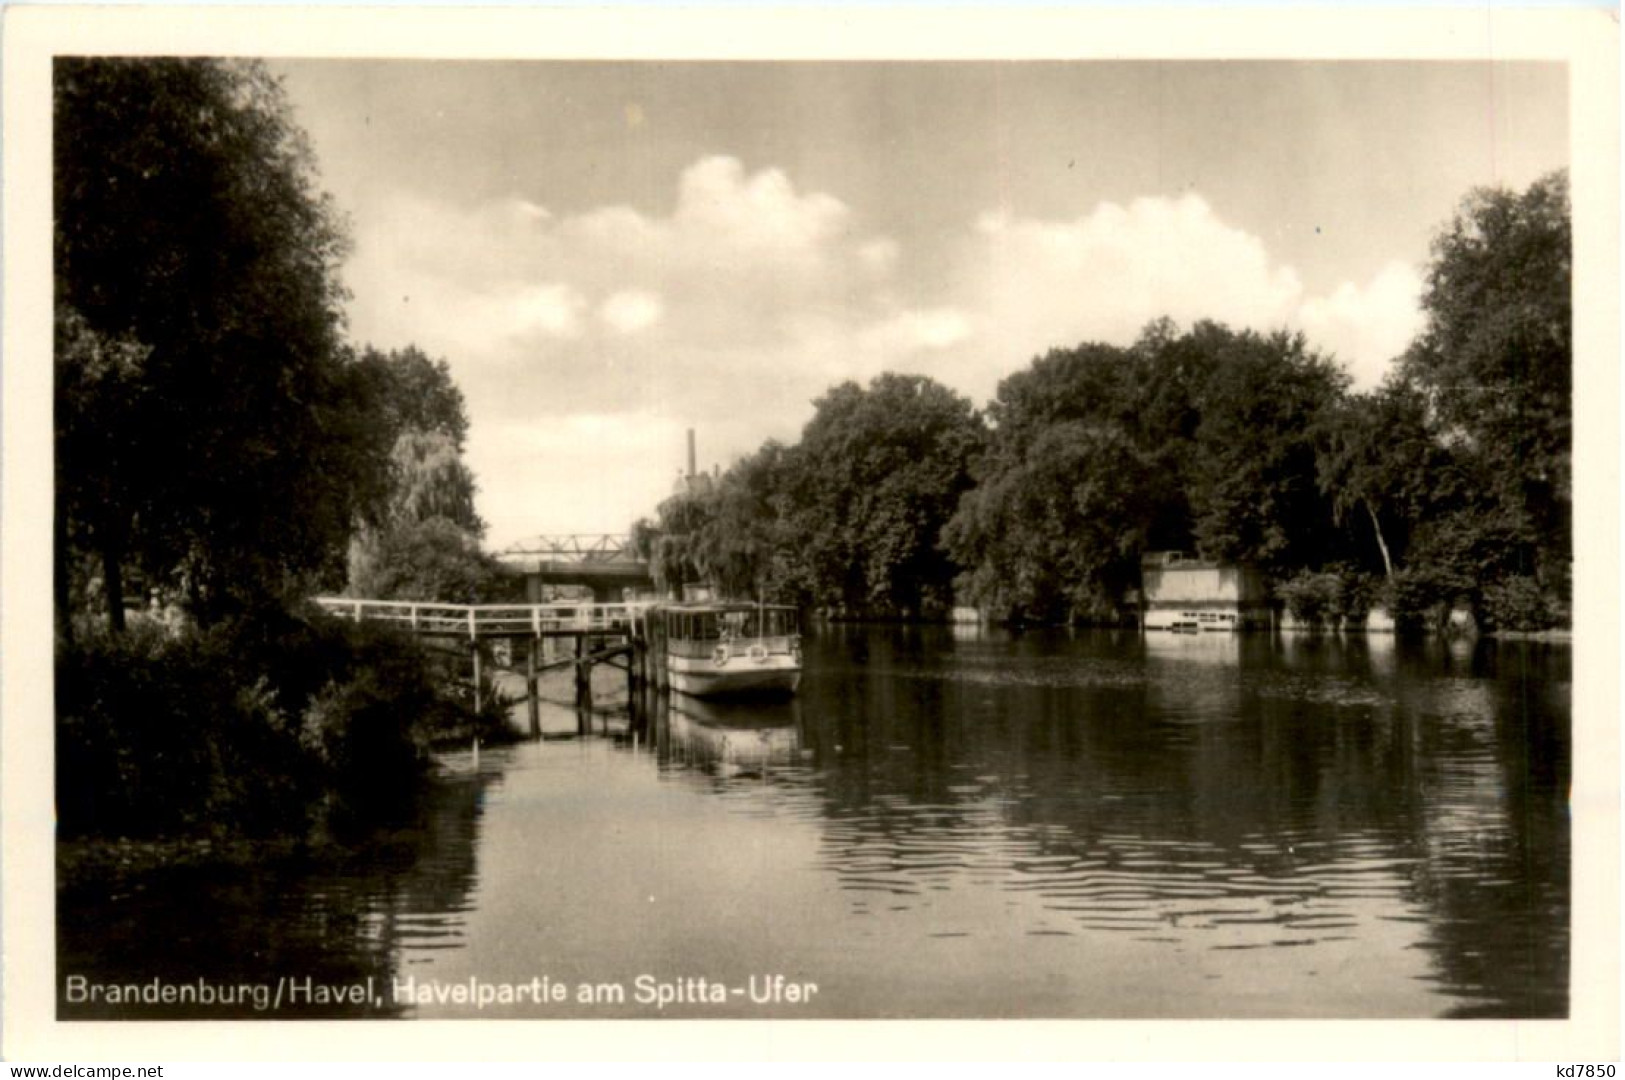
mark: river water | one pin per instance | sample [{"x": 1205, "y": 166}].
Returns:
[{"x": 945, "y": 822}]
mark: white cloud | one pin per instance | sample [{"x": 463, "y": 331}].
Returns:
[
  {"x": 1033, "y": 284},
  {"x": 739, "y": 259},
  {"x": 761, "y": 213},
  {"x": 1367, "y": 326},
  {"x": 749, "y": 298},
  {"x": 631, "y": 311},
  {"x": 1105, "y": 275},
  {"x": 532, "y": 212},
  {"x": 551, "y": 310},
  {"x": 909, "y": 331},
  {"x": 879, "y": 256},
  {"x": 731, "y": 312}
]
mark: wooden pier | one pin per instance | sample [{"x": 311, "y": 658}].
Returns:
[{"x": 613, "y": 634}]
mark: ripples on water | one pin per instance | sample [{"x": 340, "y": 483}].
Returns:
[{"x": 982, "y": 825}]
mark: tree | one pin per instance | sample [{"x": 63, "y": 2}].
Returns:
[
  {"x": 431, "y": 559},
  {"x": 1252, "y": 481},
  {"x": 98, "y": 380},
  {"x": 849, "y": 518},
  {"x": 877, "y": 474},
  {"x": 1202, "y": 439},
  {"x": 1380, "y": 465},
  {"x": 746, "y": 546},
  {"x": 409, "y": 391},
  {"x": 1495, "y": 361},
  {"x": 1058, "y": 531},
  {"x": 424, "y": 543},
  {"x": 730, "y": 533},
  {"x": 671, "y": 543},
  {"x": 1069, "y": 490},
  {"x": 189, "y": 229}
]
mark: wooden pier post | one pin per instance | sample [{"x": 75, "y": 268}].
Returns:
[
  {"x": 640, "y": 648},
  {"x": 475, "y": 650},
  {"x": 533, "y": 706},
  {"x": 583, "y": 672},
  {"x": 631, "y": 665},
  {"x": 654, "y": 648}
]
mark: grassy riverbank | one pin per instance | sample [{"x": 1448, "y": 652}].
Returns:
[{"x": 276, "y": 726}]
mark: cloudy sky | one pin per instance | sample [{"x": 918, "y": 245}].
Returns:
[{"x": 609, "y": 254}]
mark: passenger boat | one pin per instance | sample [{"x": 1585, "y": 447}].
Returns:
[{"x": 717, "y": 649}]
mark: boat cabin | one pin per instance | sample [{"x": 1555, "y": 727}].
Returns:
[{"x": 728, "y": 648}]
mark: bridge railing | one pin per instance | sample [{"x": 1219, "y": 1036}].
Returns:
[{"x": 487, "y": 620}]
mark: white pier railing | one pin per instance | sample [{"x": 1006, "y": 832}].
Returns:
[{"x": 475, "y": 621}]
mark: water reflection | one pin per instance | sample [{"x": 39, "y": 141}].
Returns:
[
  {"x": 954, "y": 823},
  {"x": 336, "y": 917},
  {"x": 1231, "y": 794},
  {"x": 732, "y": 739}
]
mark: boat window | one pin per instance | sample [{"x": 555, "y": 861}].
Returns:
[
  {"x": 764, "y": 622},
  {"x": 740, "y": 623}
]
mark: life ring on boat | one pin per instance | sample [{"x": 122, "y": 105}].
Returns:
[
  {"x": 758, "y": 653},
  {"x": 719, "y": 655}
]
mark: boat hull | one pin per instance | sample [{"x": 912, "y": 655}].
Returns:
[{"x": 738, "y": 676}]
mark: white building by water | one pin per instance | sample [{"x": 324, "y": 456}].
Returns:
[{"x": 1181, "y": 592}]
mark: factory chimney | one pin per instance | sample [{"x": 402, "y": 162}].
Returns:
[{"x": 691, "y": 453}]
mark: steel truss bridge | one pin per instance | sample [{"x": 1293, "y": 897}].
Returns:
[{"x": 602, "y": 562}]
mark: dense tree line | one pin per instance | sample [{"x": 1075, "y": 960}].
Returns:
[
  {"x": 1448, "y": 487},
  {"x": 1197, "y": 441}
]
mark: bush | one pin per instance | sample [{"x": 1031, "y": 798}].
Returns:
[
  {"x": 265, "y": 726},
  {"x": 1309, "y": 597},
  {"x": 1418, "y": 599},
  {"x": 1517, "y": 603},
  {"x": 157, "y": 736},
  {"x": 1327, "y": 598},
  {"x": 1424, "y": 599}
]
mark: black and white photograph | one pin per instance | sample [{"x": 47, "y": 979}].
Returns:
[{"x": 842, "y": 537}]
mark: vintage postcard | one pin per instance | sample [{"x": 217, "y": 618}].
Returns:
[{"x": 668, "y": 517}]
